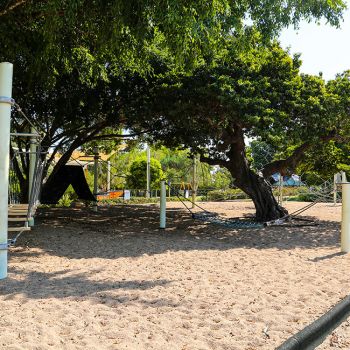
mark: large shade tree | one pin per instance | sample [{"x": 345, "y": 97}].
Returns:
[
  {"x": 66, "y": 53},
  {"x": 55, "y": 34},
  {"x": 260, "y": 95}
]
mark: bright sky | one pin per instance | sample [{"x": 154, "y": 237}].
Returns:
[{"x": 323, "y": 48}]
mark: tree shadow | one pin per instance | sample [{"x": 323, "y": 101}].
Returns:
[
  {"x": 133, "y": 230},
  {"x": 66, "y": 283},
  {"x": 328, "y": 256}
]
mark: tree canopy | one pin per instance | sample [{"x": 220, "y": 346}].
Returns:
[
  {"x": 196, "y": 74},
  {"x": 53, "y": 36},
  {"x": 259, "y": 94}
]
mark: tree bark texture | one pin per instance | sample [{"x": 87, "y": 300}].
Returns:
[{"x": 254, "y": 185}]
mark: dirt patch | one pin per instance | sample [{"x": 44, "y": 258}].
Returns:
[{"x": 114, "y": 280}]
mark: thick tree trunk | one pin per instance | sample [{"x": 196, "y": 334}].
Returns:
[
  {"x": 254, "y": 185},
  {"x": 258, "y": 189}
]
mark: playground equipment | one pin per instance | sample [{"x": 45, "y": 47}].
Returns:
[
  {"x": 27, "y": 154},
  {"x": 57, "y": 184},
  {"x": 207, "y": 216},
  {"x": 82, "y": 163},
  {"x": 6, "y": 73},
  {"x": 320, "y": 194},
  {"x": 74, "y": 173},
  {"x": 9, "y": 210},
  {"x": 36, "y": 168}
]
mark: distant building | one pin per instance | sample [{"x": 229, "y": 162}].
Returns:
[{"x": 293, "y": 180}]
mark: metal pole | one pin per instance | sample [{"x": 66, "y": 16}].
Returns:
[
  {"x": 6, "y": 73},
  {"x": 281, "y": 190},
  {"x": 25, "y": 134},
  {"x": 162, "y": 222},
  {"x": 108, "y": 176},
  {"x": 148, "y": 173},
  {"x": 343, "y": 177},
  {"x": 194, "y": 181},
  {"x": 345, "y": 222},
  {"x": 32, "y": 162},
  {"x": 335, "y": 178},
  {"x": 96, "y": 158}
]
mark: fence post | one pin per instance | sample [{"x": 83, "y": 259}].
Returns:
[
  {"x": 108, "y": 176},
  {"x": 281, "y": 190},
  {"x": 148, "y": 173},
  {"x": 162, "y": 223},
  {"x": 194, "y": 181},
  {"x": 345, "y": 218},
  {"x": 6, "y": 73},
  {"x": 96, "y": 158}
]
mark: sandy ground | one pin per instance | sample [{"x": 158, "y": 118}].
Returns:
[{"x": 113, "y": 280}]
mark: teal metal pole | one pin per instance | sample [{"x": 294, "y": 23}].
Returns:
[
  {"x": 6, "y": 73},
  {"x": 162, "y": 223}
]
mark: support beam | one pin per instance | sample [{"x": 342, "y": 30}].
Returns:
[
  {"x": 6, "y": 73},
  {"x": 108, "y": 176},
  {"x": 280, "y": 187},
  {"x": 21, "y": 134},
  {"x": 96, "y": 159},
  {"x": 148, "y": 173},
  {"x": 32, "y": 162},
  {"x": 194, "y": 181},
  {"x": 345, "y": 218},
  {"x": 162, "y": 222}
]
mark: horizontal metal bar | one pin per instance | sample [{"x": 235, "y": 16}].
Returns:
[
  {"x": 4, "y": 246},
  {"x": 23, "y": 134},
  {"x": 24, "y": 152},
  {"x": 9, "y": 100}
]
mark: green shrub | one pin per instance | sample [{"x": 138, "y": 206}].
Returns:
[
  {"x": 224, "y": 195},
  {"x": 137, "y": 173},
  {"x": 290, "y": 191},
  {"x": 65, "y": 201},
  {"x": 68, "y": 197},
  {"x": 306, "y": 197}
]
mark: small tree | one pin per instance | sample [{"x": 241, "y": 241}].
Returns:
[{"x": 137, "y": 176}]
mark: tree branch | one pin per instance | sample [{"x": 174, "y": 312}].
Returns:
[
  {"x": 16, "y": 166},
  {"x": 80, "y": 140},
  {"x": 109, "y": 136},
  {"x": 213, "y": 161},
  {"x": 52, "y": 157},
  {"x": 288, "y": 165},
  {"x": 12, "y": 7},
  {"x": 73, "y": 132}
]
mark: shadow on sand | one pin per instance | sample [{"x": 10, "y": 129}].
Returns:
[
  {"x": 131, "y": 231},
  {"x": 62, "y": 284}
]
